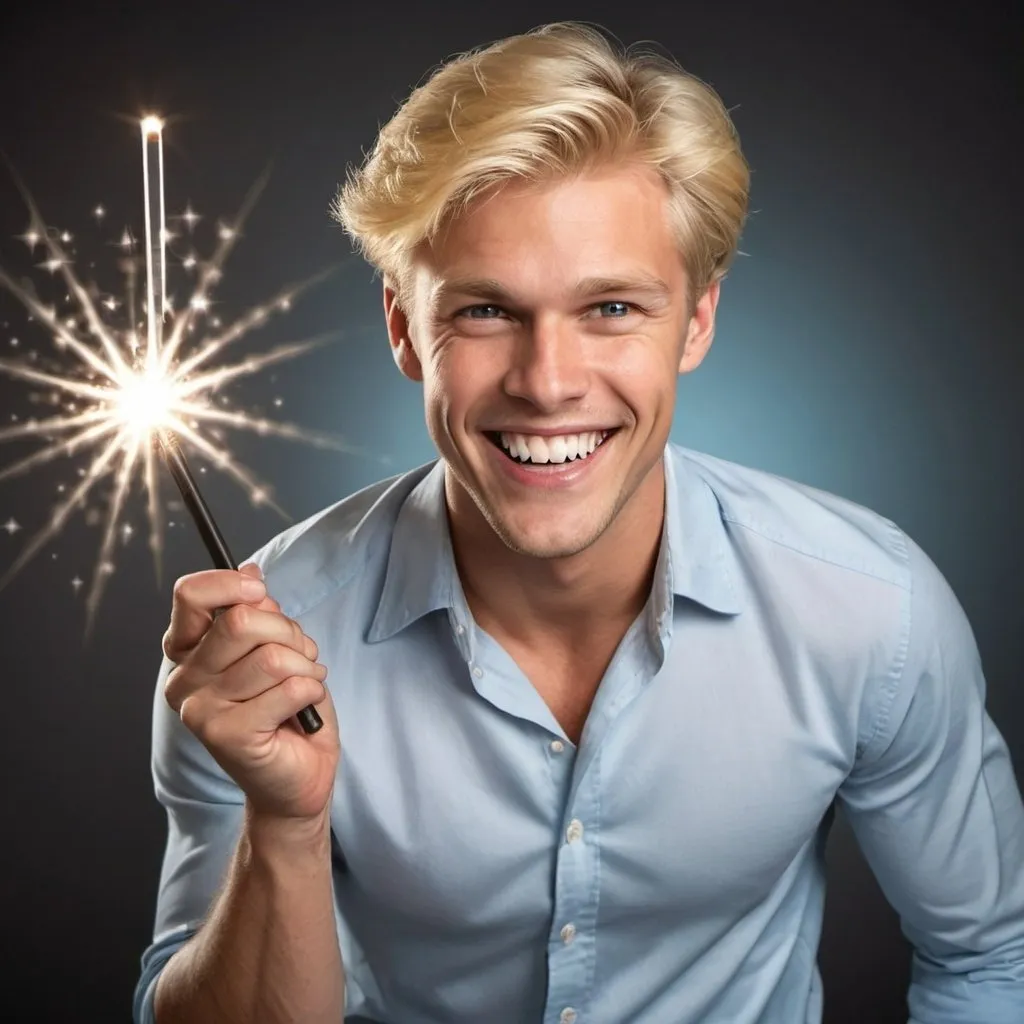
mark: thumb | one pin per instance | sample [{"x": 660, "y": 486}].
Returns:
[{"x": 268, "y": 604}]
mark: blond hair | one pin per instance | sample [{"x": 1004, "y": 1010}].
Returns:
[{"x": 548, "y": 104}]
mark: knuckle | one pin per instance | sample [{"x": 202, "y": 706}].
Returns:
[
  {"x": 189, "y": 713},
  {"x": 273, "y": 659},
  {"x": 168, "y": 646},
  {"x": 182, "y": 589},
  {"x": 171, "y": 689},
  {"x": 238, "y": 621},
  {"x": 174, "y": 690},
  {"x": 296, "y": 687}
]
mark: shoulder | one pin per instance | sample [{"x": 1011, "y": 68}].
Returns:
[
  {"x": 763, "y": 511},
  {"x": 310, "y": 560},
  {"x": 850, "y": 587}
]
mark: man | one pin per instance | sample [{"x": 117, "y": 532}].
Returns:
[{"x": 595, "y": 695}]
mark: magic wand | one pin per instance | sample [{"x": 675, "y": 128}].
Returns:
[{"x": 174, "y": 457}]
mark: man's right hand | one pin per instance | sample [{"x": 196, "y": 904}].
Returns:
[{"x": 239, "y": 678}]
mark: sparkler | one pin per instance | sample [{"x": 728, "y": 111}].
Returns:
[{"x": 115, "y": 394}]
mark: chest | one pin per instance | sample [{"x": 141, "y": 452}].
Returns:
[
  {"x": 695, "y": 789},
  {"x": 566, "y": 679}
]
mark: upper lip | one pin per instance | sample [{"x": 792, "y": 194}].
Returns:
[{"x": 549, "y": 431}]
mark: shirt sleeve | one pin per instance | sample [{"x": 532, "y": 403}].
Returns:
[
  {"x": 204, "y": 819},
  {"x": 937, "y": 812}
]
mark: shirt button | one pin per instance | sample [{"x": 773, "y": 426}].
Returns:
[
  {"x": 574, "y": 831},
  {"x": 567, "y": 1016},
  {"x": 477, "y": 671},
  {"x": 568, "y": 933},
  {"x": 460, "y": 628},
  {"x": 557, "y": 746}
]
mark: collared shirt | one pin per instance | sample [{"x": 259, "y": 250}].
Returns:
[{"x": 797, "y": 651}]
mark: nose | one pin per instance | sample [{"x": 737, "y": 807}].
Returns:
[{"x": 549, "y": 365}]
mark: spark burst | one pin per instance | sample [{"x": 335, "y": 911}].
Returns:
[{"x": 115, "y": 391}]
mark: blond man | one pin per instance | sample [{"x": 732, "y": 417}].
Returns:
[{"x": 589, "y": 697}]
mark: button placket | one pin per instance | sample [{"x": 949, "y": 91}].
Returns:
[{"x": 569, "y": 951}]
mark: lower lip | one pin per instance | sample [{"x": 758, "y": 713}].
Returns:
[{"x": 551, "y": 475}]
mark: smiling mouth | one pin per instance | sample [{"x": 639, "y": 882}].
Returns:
[{"x": 535, "y": 450}]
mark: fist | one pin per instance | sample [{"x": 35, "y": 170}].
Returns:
[{"x": 242, "y": 671}]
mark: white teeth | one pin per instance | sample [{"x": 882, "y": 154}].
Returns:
[
  {"x": 562, "y": 448},
  {"x": 538, "y": 449}
]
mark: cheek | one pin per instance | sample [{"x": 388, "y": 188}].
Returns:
[
  {"x": 462, "y": 380},
  {"x": 643, "y": 374}
]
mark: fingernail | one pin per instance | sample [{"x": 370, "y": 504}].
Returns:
[
  {"x": 323, "y": 670},
  {"x": 252, "y": 589}
]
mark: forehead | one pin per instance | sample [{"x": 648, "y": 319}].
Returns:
[{"x": 540, "y": 237}]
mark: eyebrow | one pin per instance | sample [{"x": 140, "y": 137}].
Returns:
[{"x": 489, "y": 288}]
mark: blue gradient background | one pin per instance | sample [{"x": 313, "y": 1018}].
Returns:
[{"x": 868, "y": 343}]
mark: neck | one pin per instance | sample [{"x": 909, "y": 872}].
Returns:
[{"x": 563, "y": 601}]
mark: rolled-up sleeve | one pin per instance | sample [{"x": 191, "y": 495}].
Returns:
[
  {"x": 204, "y": 819},
  {"x": 937, "y": 812}
]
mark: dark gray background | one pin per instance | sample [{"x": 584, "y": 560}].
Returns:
[{"x": 868, "y": 344}]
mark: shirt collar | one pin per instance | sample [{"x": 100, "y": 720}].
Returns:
[
  {"x": 701, "y": 562},
  {"x": 695, "y": 560},
  {"x": 421, "y": 566}
]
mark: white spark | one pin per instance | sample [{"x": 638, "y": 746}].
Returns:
[
  {"x": 117, "y": 389},
  {"x": 99, "y": 213},
  {"x": 12, "y": 526}
]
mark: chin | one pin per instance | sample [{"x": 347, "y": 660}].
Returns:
[{"x": 543, "y": 541}]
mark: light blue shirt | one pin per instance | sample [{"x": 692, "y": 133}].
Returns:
[{"x": 796, "y": 650}]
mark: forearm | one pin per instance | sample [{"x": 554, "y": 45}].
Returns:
[{"x": 269, "y": 948}]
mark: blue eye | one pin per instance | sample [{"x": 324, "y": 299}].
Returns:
[
  {"x": 622, "y": 308},
  {"x": 470, "y": 311}
]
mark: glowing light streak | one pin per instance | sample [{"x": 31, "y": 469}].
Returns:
[
  {"x": 113, "y": 394},
  {"x": 156, "y": 238}
]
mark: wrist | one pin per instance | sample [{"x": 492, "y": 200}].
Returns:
[{"x": 270, "y": 836}]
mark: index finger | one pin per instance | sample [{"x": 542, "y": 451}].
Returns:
[{"x": 199, "y": 595}]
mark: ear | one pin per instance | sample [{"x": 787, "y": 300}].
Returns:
[
  {"x": 700, "y": 331},
  {"x": 398, "y": 334}
]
